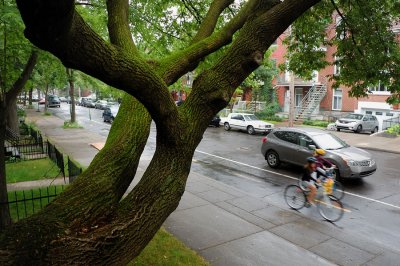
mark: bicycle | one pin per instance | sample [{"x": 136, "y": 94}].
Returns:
[
  {"x": 328, "y": 206},
  {"x": 337, "y": 189}
]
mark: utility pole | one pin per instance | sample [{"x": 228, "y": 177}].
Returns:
[{"x": 291, "y": 100}]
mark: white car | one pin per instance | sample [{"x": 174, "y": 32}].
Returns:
[
  {"x": 248, "y": 122},
  {"x": 358, "y": 123}
]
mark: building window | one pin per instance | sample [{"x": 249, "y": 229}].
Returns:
[
  {"x": 378, "y": 113},
  {"x": 298, "y": 97},
  {"x": 389, "y": 114},
  {"x": 380, "y": 87},
  {"x": 337, "y": 99},
  {"x": 368, "y": 112},
  {"x": 336, "y": 67}
]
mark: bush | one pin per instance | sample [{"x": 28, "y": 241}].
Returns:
[
  {"x": 68, "y": 124},
  {"x": 394, "y": 130},
  {"x": 21, "y": 112},
  {"x": 316, "y": 123}
]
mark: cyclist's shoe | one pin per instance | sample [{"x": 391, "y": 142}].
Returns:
[{"x": 308, "y": 205}]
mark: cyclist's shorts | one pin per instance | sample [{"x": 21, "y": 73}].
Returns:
[{"x": 306, "y": 184}]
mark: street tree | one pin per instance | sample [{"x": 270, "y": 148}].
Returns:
[
  {"x": 18, "y": 59},
  {"x": 91, "y": 222}
]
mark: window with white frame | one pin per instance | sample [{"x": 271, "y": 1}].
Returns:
[
  {"x": 337, "y": 99},
  {"x": 298, "y": 97},
  {"x": 315, "y": 76}
]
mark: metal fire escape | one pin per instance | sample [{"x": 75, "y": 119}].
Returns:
[{"x": 310, "y": 102}]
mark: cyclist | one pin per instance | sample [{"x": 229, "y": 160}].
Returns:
[
  {"x": 321, "y": 161},
  {"x": 309, "y": 178}
]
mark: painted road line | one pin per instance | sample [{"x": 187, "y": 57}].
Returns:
[{"x": 294, "y": 178}]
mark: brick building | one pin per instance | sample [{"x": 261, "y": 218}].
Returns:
[{"x": 317, "y": 98}]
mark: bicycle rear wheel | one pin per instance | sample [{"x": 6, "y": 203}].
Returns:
[
  {"x": 338, "y": 190},
  {"x": 294, "y": 197},
  {"x": 330, "y": 208}
]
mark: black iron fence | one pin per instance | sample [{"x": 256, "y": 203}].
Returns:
[
  {"x": 56, "y": 156},
  {"x": 27, "y": 202},
  {"x": 73, "y": 170},
  {"x": 31, "y": 146},
  {"x": 390, "y": 122}
]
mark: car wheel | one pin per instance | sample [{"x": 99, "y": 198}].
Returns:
[
  {"x": 272, "y": 159},
  {"x": 375, "y": 130},
  {"x": 338, "y": 129},
  {"x": 227, "y": 127},
  {"x": 250, "y": 130},
  {"x": 359, "y": 129}
]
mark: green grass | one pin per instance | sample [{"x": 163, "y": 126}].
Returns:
[
  {"x": 164, "y": 249},
  {"x": 316, "y": 123},
  {"x": 21, "y": 209},
  {"x": 47, "y": 113},
  {"x": 31, "y": 170},
  {"x": 68, "y": 124}
]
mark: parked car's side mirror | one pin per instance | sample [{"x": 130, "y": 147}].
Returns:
[
  {"x": 312, "y": 147},
  {"x": 365, "y": 119}
]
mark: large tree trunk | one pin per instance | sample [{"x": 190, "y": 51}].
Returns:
[
  {"x": 30, "y": 96},
  {"x": 12, "y": 115},
  {"x": 71, "y": 94},
  {"x": 5, "y": 219}
]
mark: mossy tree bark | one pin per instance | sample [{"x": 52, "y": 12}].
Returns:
[{"x": 90, "y": 222}]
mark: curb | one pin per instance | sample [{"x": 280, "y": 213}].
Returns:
[{"x": 377, "y": 149}]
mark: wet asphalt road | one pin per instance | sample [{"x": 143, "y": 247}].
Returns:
[{"x": 234, "y": 158}]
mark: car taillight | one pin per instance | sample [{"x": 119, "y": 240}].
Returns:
[{"x": 264, "y": 139}]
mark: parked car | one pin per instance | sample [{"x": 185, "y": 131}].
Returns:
[
  {"x": 294, "y": 145},
  {"x": 81, "y": 101},
  {"x": 101, "y": 104},
  {"x": 215, "y": 121},
  {"x": 63, "y": 99},
  {"x": 53, "y": 101},
  {"x": 247, "y": 122},
  {"x": 42, "y": 101},
  {"x": 358, "y": 123},
  {"x": 110, "y": 113},
  {"x": 89, "y": 103}
]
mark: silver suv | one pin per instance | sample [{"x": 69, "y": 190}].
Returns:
[
  {"x": 294, "y": 145},
  {"x": 358, "y": 123}
]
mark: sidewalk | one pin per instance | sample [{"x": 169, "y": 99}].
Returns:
[{"x": 228, "y": 226}]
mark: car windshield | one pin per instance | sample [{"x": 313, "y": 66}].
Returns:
[
  {"x": 251, "y": 118},
  {"x": 354, "y": 116},
  {"x": 329, "y": 142}
]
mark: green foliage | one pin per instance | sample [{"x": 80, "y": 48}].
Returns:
[
  {"x": 47, "y": 113},
  {"x": 269, "y": 111},
  {"x": 394, "y": 130},
  {"x": 164, "y": 250},
  {"x": 14, "y": 47},
  {"x": 316, "y": 123},
  {"x": 31, "y": 170},
  {"x": 367, "y": 50},
  {"x": 21, "y": 112}
]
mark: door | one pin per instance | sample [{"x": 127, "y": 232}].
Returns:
[
  {"x": 303, "y": 149},
  {"x": 237, "y": 121},
  {"x": 287, "y": 145}
]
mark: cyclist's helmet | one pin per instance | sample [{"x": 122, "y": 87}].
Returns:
[
  {"x": 319, "y": 152},
  {"x": 311, "y": 160}
]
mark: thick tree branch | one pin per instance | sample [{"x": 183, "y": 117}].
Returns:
[
  {"x": 118, "y": 25},
  {"x": 55, "y": 26},
  {"x": 23, "y": 78},
  {"x": 216, "y": 85},
  {"x": 210, "y": 21},
  {"x": 174, "y": 66}
]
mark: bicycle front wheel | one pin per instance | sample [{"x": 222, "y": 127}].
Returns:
[
  {"x": 294, "y": 197},
  {"x": 330, "y": 208},
  {"x": 338, "y": 190}
]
